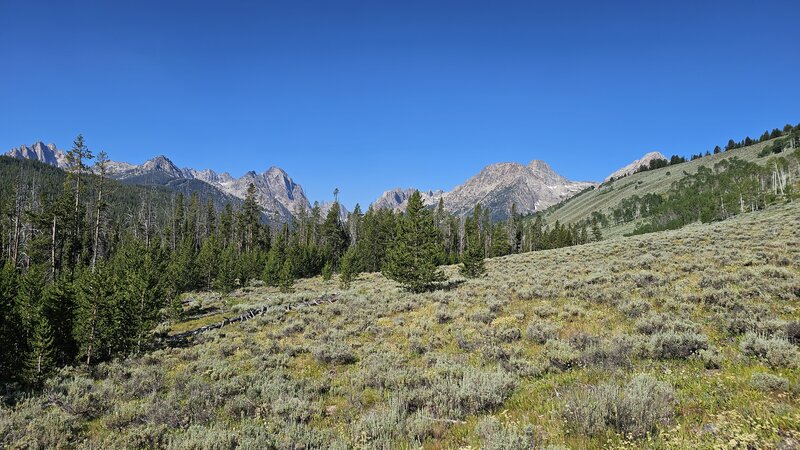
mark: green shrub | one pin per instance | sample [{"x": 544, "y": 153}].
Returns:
[
  {"x": 635, "y": 409},
  {"x": 775, "y": 351},
  {"x": 710, "y": 358},
  {"x": 635, "y": 308},
  {"x": 334, "y": 352},
  {"x": 540, "y": 332},
  {"x": 768, "y": 382},
  {"x": 676, "y": 345},
  {"x": 561, "y": 355},
  {"x": 499, "y": 436}
]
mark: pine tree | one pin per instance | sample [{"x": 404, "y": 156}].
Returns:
[
  {"x": 411, "y": 259},
  {"x": 39, "y": 361},
  {"x": 596, "y": 234},
  {"x": 58, "y": 307},
  {"x": 251, "y": 219},
  {"x": 334, "y": 235},
  {"x": 473, "y": 260},
  {"x": 287, "y": 276},
  {"x": 10, "y": 333},
  {"x": 275, "y": 258},
  {"x": 348, "y": 268},
  {"x": 94, "y": 308},
  {"x": 327, "y": 271}
]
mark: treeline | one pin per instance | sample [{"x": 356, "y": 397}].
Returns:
[
  {"x": 790, "y": 139},
  {"x": 91, "y": 266},
  {"x": 733, "y": 186}
]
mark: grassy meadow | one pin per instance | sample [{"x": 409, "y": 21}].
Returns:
[{"x": 679, "y": 339}]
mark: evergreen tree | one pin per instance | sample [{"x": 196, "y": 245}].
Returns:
[
  {"x": 334, "y": 235},
  {"x": 39, "y": 361},
  {"x": 411, "y": 259},
  {"x": 596, "y": 234},
  {"x": 251, "y": 219},
  {"x": 10, "y": 332},
  {"x": 286, "y": 279},
  {"x": 94, "y": 307},
  {"x": 348, "y": 268},
  {"x": 275, "y": 258},
  {"x": 327, "y": 271},
  {"x": 472, "y": 264},
  {"x": 58, "y": 308}
]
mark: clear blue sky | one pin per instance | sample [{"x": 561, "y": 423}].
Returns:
[{"x": 370, "y": 95}]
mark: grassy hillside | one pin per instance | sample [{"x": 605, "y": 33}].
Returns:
[
  {"x": 679, "y": 339},
  {"x": 658, "y": 181}
]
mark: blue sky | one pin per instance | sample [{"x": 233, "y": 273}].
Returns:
[{"x": 371, "y": 95}]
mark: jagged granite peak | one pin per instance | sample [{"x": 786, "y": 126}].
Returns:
[
  {"x": 47, "y": 154},
  {"x": 496, "y": 187},
  {"x": 397, "y": 199},
  {"x": 325, "y": 207},
  {"x": 634, "y": 166},
  {"x": 162, "y": 164},
  {"x": 543, "y": 170},
  {"x": 500, "y": 186}
]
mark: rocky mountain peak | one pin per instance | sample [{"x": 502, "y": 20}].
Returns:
[
  {"x": 634, "y": 166},
  {"x": 39, "y": 151},
  {"x": 162, "y": 164}
]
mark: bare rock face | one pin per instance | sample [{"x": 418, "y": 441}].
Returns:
[
  {"x": 631, "y": 168},
  {"x": 279, "y": 196},
  {"x": 497, "y": 187},
  {"x": 47, "y": 154},
  {"x": 397, "y": 199},
  {"x": 500, "y": 186}
]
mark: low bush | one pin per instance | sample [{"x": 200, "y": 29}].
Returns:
[
  {"x": 774, "y": 351},
  {"x": 561, "y": 355},
  {"x": 768, "y": 382},
  {"x": 711, "y": 359},
  {"x": 540, "y": 331},
  {"x": 334, "y": 352},
  {"x": 635, "y": 409},
  {"x": 498, "y": 436},
  {"x": 676, "y": 345}
]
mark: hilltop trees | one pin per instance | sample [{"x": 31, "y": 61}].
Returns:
[{"x": 411, "y": 259}]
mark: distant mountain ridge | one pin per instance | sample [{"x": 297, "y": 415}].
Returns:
[
  {"x": 47, "y": 154},
  {"x": 276, "y": 192},
  {"x": 397, "y": 199},
  {"x": 497, "y": 187}
]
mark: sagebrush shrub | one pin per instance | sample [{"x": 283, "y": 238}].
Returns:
[
  {"x": 540, "y": 331},
  {"x": 498, "y": 436},
  {"x": 676, "y": 345},
  {"x": 768, "y": 382},
  {"x": 775, "y": 351},
  {"x": 635, "y": 409},
  {"x": 334, "y": 352}
]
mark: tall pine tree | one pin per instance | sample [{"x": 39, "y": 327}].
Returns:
[{"x": 411, "y": 259}]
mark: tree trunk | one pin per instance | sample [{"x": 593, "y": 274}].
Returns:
[
  {"x": 97, "y": 225},
  {"x": 53, "y": 249}
]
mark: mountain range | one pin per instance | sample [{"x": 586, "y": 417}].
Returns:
[{"x": 497, "y": 187}]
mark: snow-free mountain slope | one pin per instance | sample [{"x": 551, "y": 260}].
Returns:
[
  {"x": 497, "y": 187},
  {"x": 47, "y": 154},
  {"x": 633, "y": 167},
  {"x": 397, "y": 199}
]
